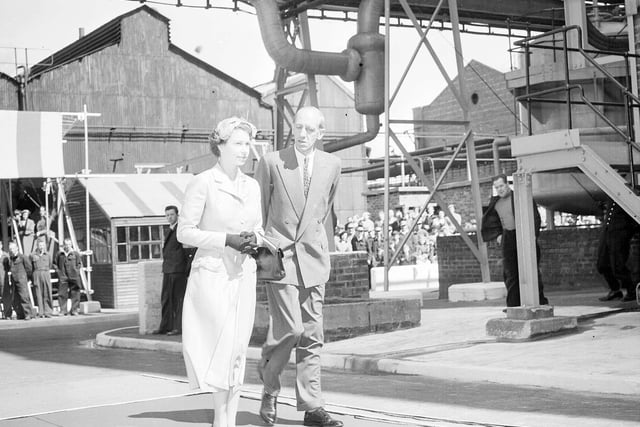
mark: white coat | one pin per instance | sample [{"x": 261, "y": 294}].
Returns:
[{"x": 219, "y": 304}]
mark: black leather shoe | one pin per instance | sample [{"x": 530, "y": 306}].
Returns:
[
  {"x": 268, "y": 411},
  {"x": 629, "y": 297},
  {"x": 611, "y": 296},
  {"x": 320, "y": 418},
  {"x": 174, "y": 332}
]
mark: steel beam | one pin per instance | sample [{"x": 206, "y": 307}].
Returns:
[{"x": 526, "y": 239}]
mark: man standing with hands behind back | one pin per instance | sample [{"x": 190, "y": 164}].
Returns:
[
  {"x": 175, "y": 267},
  {"x": 298, "y": 185}
]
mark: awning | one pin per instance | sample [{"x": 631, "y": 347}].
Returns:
[
  {"x": 136, "y": 195},
  {"x": 31, "y": 144}
]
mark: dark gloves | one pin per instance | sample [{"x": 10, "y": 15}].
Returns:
[{"x": 245, "y": 242}]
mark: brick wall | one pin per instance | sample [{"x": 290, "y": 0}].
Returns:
[
  {"x": 568, "y": 260},
  {"x": 349, "y": 278},
  {"x": 490, "y": 114}
]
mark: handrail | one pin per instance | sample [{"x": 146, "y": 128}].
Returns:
[{"x": 630, "y": 99}]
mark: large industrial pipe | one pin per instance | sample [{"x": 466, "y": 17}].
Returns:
[
  {"x": 373, "y": 127},
  {"x": 362, "y": 61},
  {"x": 345, "y": 64}
]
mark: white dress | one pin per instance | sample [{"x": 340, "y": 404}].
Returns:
[{"x": 219, "y": 304}]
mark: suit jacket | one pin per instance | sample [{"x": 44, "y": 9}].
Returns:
[
  {"x": 175, "y": 258},
  {"x": 491, "y": 226},
  {"x": 296, "y": 223},
  {"x": 617, "y": 220}
]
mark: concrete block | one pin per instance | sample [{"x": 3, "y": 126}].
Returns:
[
  {"x": 394, "y": 311},
  {"x": 149, "y": 290},
  {"x": 528, "y": 313},
  {"x": 87, "y": 307},
  {"x": 477, "y": 291},
  {"x": 521, "y": 330},
  {"x": 346, "y": 315}
]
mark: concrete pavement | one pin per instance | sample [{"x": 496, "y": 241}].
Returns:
[
  {"x": 571, "y": 370},
  {"x": 602, "y": 356}
]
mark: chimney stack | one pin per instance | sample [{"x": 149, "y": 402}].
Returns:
[{"x": 80, "y": 32}]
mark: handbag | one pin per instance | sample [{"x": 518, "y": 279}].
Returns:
[{"x": 269, "y": 262}]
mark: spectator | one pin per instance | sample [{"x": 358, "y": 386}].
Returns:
[
  {"x": 69, "y": 265},
  {"x": 499, "y": 222},
  {"x": 5, "y": 300},
  {"x": 422, "y": 251},
  {"x": 41, "y": 262},
  {"x": 26, "y": 230},
  {"x": 343, "y": 244},
  {"x": 451, "y": 229},
  {"x": 18, "y": 270},
  {"x": 613, "y": 252},
  {"x": 175, "y": 269},
  {"x": 439, "y": 225},
  {"x": 367, "y": 224},
  {"x": 358, "y": 241}
]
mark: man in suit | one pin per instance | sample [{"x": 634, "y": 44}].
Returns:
[
  {"x": 613, "y": 252},
  {"x": 18, "y": 270},
  {"x": 68, "y": 265},
  {"x": 298, "y": 185},
  {"x": 175, "y": 269},
  {"x": 499, "y": 222}
]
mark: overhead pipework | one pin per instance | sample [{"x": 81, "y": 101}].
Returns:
[{"x": 361, "y": 62}]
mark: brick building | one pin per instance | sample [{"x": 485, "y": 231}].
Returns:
[{"x": 491, "y": 108}]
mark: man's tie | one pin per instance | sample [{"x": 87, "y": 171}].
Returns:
[{"x": 306, "y": 177}]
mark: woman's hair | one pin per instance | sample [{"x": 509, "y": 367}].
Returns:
[{"x": 225, "y": 128}]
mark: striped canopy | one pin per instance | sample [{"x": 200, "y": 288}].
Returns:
[{"x": 30, "y": 144}]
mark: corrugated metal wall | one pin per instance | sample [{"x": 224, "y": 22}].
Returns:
[
  {"x": 8, "y": 94},
  {"x": 143, "y": 83},
  {"x": 127, "y": 285}
]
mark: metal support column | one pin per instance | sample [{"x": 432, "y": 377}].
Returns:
[
  {"x": 526, "y": 239},
  {"x": 472, "y": 164},
  {"x": 387, "y": 105}
]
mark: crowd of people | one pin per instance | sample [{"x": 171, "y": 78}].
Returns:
[
  {"x": 26, "y": 290},
  {"x": 361, "y": 233}
]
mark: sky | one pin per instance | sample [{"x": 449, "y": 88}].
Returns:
[
  {"x": 30, "y": 30},
  {"x": 231, "y": 42}
]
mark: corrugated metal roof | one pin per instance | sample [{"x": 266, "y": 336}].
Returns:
[{"x": 139, "y": 195}]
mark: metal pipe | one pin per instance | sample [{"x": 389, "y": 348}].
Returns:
[
  {"x": 496, "y": 152},
  {"x": 373, "y": 127},
  {"x": 346, "y": 64}
]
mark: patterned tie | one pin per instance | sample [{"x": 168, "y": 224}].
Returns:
[{"x": 306, "y": 176}]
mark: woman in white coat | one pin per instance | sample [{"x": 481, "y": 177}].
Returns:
[{"x": 221, "y": 216}]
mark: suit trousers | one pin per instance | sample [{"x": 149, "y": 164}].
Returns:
[
  {"x": 613, "y": 253},
  {"x": 69, "y": 289},
  {"x": 174, "y": 286},
  {"x": 295, "y": 322},
  {"x": 510, "y": 269},
  {"x": 42, "y": 285}
]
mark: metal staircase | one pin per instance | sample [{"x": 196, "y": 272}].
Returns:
[{"x": 602, "y": 155}]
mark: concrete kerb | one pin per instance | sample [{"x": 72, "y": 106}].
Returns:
[{"x": 367, "y": 365}]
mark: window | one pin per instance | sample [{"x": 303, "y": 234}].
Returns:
[
  {"x": 101, "y": 245},
  {"x": 139, "y": 242}
]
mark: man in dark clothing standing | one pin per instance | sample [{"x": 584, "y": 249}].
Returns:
[
  {"x": 175, "y": 269},
  {"x": 499, "y": 222},
  {"x": 68, "y": 265},
  {"x": 613, "y": 252},
  {"x": 18, "y": 269},
  {"x": 5, "y": 301},
  {"x": 41, "y": 262}
]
